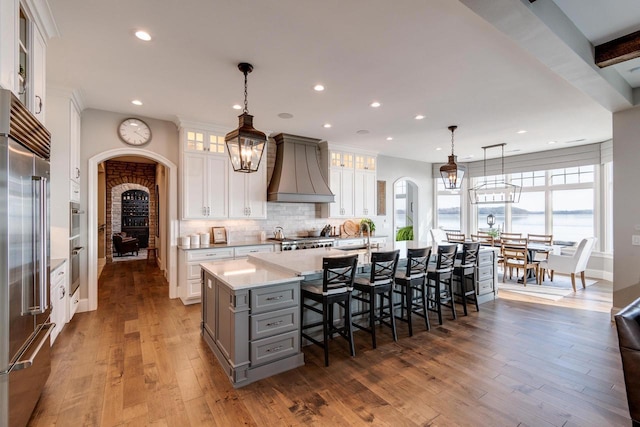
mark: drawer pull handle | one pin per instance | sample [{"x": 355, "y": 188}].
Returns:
[
  {"x": 279, "y": 322},
  {"x": 278, "y": 348},
  {"x": 274, "y": 298}
]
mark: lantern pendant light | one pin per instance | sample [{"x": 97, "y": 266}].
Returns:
[
  {"x": 452, "y": 173},
  {"x": 245, "y": 144}
]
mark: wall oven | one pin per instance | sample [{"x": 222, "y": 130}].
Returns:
[
  {"x": 74, "y": 256},
  {"x": 74, "y": 219}
]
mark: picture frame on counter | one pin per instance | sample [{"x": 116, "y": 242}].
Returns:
[{"x": 219, "y": 235}]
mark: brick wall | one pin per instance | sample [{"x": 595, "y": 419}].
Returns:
[{"x": 123, "y": 176}]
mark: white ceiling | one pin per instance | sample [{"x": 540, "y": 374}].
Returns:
[{"x": 435, "y": 58}]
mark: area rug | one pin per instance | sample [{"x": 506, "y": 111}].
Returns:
[{"x": 556, "y": 290}]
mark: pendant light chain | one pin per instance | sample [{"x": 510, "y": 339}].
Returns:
[
  {"x": 246, "y": 103},
  {"x": 452, "y": 131}
]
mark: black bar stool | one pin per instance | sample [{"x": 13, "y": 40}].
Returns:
[
  {"x": 335, "y": 288},
  {"x": 464, "y": 274},
  {"x": 439, "y": 278},
  {"x": 410, "y": 287},
  {"x": 378, "y": 283}
]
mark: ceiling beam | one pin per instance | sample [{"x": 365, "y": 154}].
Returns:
[{"x": 619, "y": 50}]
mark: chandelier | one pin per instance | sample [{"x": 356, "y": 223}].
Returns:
[{"x": 496, "y": 190}]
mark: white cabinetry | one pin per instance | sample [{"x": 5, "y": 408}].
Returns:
[
  {"x": 25, "y": 25},
  {"x": 189, "y": 266},
  {"x": 352, "y": 178},
  {"x": 210, "y": 187},
  {"x": 204, "y": 191},
  {"x": 189, "y": 279},
  {"x": 58, "y": 301},
  {"x": 63, "y": 121},
  {"x": 248, "y": 193}
]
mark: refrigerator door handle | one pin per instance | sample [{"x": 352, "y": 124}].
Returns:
[
  {"x": 39, "y": 244},
  {"x": 26, "y": 363}
]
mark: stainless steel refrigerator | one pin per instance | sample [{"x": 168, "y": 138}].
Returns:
[{"x": 24, "y": 261}]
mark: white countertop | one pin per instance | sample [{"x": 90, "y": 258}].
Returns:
[
  {"x": 227, "y": 245},
  {"x": 243, "y": 274},
  {"x": 302, "y": 262}
]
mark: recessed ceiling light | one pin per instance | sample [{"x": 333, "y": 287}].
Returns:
[
  {"x": 237, "y": 107},
  {"x": 362, "y": 132},
  {"x": 389, "y": 138},
  {"x": 419, "y": 117},
  {"x": 136, "y": 102},
  {"x": 438, "y": 148},
  {"x": 551, "y": 142},
  {"x": 634, "y": 69},
  {"x": 326, "y": 125},
  {"x": 575, "y": 140},
  {"x": 375, "y": 104},
  {"x": 318, "y": 88},
  {"x": 285, "y": 115},
  {"x": 470, "y": 156},
  {"x": 143, "y": 35},
  {"x": 522, "y": 131}
]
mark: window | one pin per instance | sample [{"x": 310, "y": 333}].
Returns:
[
  {"x": 580, "y": 175},
  {"x": 528, "y": 216},
  {"x": 497, "y": 210},
  {"x": 529, "y": 179},
  {"x": 572, "y": 214},
  {"x": 448, "y": 203}
]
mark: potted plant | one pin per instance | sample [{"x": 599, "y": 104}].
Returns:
[
  {"x": 372, "y": 226},
  {"x": 405, "y": 233}
]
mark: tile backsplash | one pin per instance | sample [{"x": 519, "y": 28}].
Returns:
[{"x": 294, "y": 218}]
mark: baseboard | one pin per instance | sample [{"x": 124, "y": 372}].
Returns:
[
  {"x": 599, "y": 274},
  {"x": 614, "y": 311},
  {"x": 83, "y": 305}
]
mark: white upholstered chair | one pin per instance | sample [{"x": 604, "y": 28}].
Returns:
[
  {"x": 438, "y": 236},
  {"x": 574, "y": 264}
]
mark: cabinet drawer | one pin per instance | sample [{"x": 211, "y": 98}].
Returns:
[
  {"x": 485, "y": 273},
  {"x": 57, "y": 276},
  {"x": 243, "y": 251},
  {"x": 275, "y": 297},
  {"x": 274, "y": 322},
  {"x": 276, "y": 347},
  {"x": 209, "y": 254},
  {"x": 193, "y": 271},
  {"x": 194, "y": 288},
  {"x": 485, "y": 257},
  {"x": 485, "y": 287}
]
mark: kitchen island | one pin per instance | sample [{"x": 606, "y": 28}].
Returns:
[{"x": 251, "y": 308}]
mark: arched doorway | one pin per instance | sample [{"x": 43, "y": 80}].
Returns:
[
  {"x": 92, "y": 217},
  {"x": 405, "y": 214}
]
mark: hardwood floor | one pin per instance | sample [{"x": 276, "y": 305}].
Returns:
[{"x": 139, "y": 360}]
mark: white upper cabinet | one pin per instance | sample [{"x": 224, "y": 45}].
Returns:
[
  {"x": 352, "y": 178},
  {"x": 23, "y": 51},
  {"x": 248, "y": 192},
  {"x": 210, "y": 187},
  {"x": 204, "y": 186},
  {"x": 364, "y": 192}
]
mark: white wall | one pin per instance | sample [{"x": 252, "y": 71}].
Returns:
[
  {"x": 626, "y": 206},
  {"x": 391, "y": 169}
]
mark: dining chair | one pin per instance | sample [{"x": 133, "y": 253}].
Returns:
[
  {"x": 517, "y": 256},
  {"x": 569, "y": 264},
  {"x": 439, "y": 281},
  {"x": 485, "y": 240},
  {"x": 455, "y": 237},
  {"x": 410, "y": 286},
  {"x": 378, "y": 283},
  {"x": 338, "y": 274},
  {"x": 464, "y": 274},
  {"x": 510, "y": 236},
  {"x": 541, "y": 239}
]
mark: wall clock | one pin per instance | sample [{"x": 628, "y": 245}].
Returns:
[{"x": 134, "y": 132}]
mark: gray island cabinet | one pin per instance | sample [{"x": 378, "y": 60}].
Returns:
[{"x": 251, "y": 319}]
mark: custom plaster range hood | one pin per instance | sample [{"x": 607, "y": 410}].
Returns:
[{"x": 296, "y": 175}]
